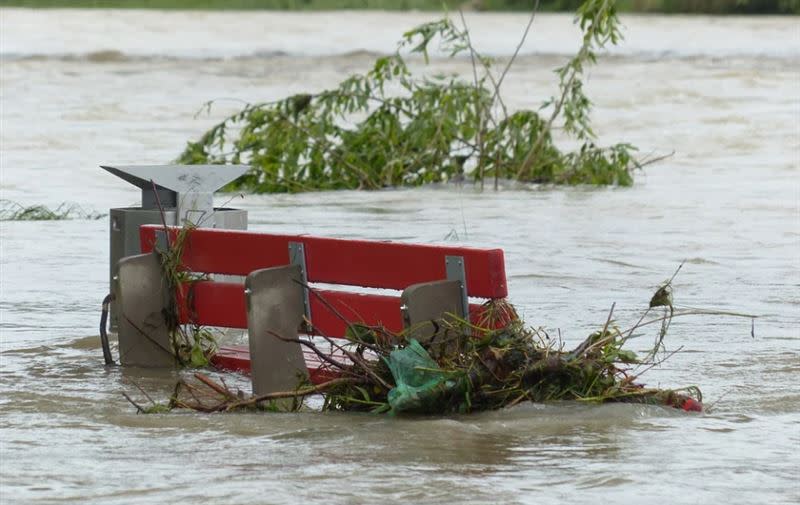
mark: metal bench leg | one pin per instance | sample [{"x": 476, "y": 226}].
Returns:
[
  {"x": 426, "y": 305},
  {"x": 275, "y": 307},
  {"x": 142, "y": 299}
]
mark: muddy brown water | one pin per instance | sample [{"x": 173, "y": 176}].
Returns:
[{"x": 80, "y": 88}]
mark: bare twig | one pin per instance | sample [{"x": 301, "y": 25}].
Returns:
[
  {"x": 143, "y": 392},
  {"x": 191, "y": 389},
  {"x": 478, "y": 108},
  {"x": 699, "y": 312},
  {"x": 293, "y": 394},
  {"x": 590, "y": 343},
  {"x": 324, "y": 357},
  {"x": 656, "y": 363},
  {"x": 139, "y": 409},
  {"x": 517, "y": 50},
  {"x": 608, "y": 320},
  {"x": 480, "y": 58},
  {"x": 557, "y": 106},
  {"x": 148, "y": 337},
  {"x": 355, "y": 358},
  {"x": 161, "y": 212},
  {"x": 350, "y": 325},
  {"x": 649, "y": 161},
  {"x": 213, "y": 385}
]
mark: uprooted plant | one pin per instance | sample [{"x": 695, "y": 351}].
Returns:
[
  {"x": 390, "y": 127},
  {"x": 467, "y": 367},
  {"x": 192, "y": 345}
]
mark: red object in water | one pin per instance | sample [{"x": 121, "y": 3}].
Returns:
[
  {"x": 210, "y": 303},
  {"x": 371, "y": 264},
  {"x": 237, "y": 359},
  {"x": 692, "y": 405},
  {"x": 233, "y": 359}
]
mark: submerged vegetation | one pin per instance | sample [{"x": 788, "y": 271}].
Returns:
[
  {"x": 13, "y": 211},
  {"x": 390, "y": 127}
]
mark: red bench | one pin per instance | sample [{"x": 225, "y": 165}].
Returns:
[{"x": 478, "y": 273}]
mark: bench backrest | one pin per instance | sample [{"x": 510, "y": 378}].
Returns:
[{"x": 370, "y": 264}]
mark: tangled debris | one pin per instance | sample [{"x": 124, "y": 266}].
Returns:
[{"x": 465, "y": 368}]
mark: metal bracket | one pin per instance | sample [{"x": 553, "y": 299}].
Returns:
[
  {"x": 454, "y": 266},
  {"x": 142, "y": 297},
  {"x": 274, "y": 313},
  {"x": 426, "y": 305},
  {"x": 162, "y": 244},
  {"x": 297, "y": 256}
]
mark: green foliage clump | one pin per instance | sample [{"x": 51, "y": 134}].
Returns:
[
  {"x": 388, "y": 127},
  {"x": 13, "y": 211}
]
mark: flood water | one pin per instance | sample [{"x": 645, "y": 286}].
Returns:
[{"x": 81, "y": 88}]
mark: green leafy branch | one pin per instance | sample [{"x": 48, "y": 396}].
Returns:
[{"x": 391, "y": 127}]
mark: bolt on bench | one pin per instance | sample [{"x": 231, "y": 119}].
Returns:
[{"x": 277, "y": 297}]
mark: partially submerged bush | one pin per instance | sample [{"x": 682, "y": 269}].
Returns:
[{"x": 388, "y": 127}]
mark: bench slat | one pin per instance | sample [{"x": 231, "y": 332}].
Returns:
[
  {"x": 223, "y": 304},
  {"x": 236, "y": 358},
  {"x": 391, "y": 265}
]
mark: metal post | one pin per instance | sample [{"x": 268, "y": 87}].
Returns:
[
  {"x": 456, "y": 271},
  {"x": 297, "y": 256},
  {"x": 274, "y": 314}
]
